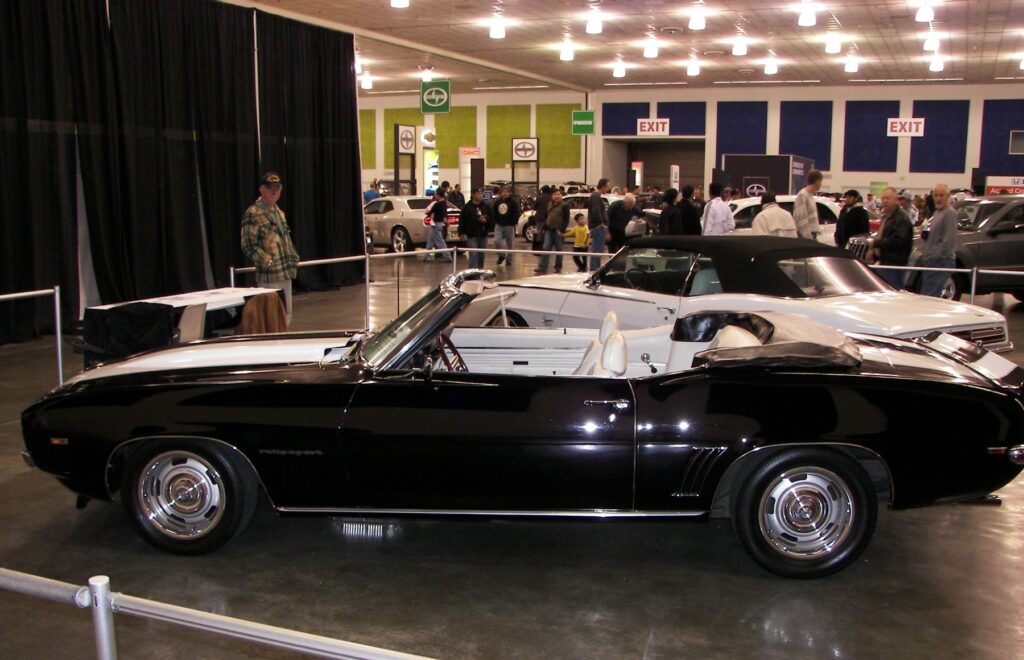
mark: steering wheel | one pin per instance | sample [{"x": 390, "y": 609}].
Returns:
[
  {"x": 453, "y": 362},
  {"x": 641, "y": 278}
]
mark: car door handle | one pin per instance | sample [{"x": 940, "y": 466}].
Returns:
[
  {"x": 667, "y": 310},
  {"x": 618, "y": 404}
]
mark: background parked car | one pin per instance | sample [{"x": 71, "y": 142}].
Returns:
[
  {"x": 397, "y": 222},
  {"x": 526, "y": 227}
]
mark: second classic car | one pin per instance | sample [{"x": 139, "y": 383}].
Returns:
[{"x": 791, "y": 429}]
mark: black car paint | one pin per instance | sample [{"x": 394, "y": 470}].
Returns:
[{"x": 346, "y": 438}]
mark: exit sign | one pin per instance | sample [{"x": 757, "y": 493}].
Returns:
[
  {"x": 651, "y": 127},
  {"x": 582, "y": 122},
  {"x": 901, "y": 127}
]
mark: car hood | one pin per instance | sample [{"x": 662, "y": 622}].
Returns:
[
  {"x": 262, "y": 350},
  {"x": 566, "y": 282},
  {"x": 901, "y": 314}
]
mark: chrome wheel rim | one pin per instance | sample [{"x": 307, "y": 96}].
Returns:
[
  {"x": 529, "y": 233},
  {"x": 398, "y": 241},
  {"x": 806, "y": 513},
  {"x": 181, "y": 494}
]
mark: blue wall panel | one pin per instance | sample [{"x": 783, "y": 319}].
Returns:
[
  {"x": 620, "y": 118},
  {"x": 944, "y": 145},
  {"x": 805, "y": 129},
  {"x": 688, "y": 118},
  {"x": 1000, "y": 118},
  {"x": 742, "y": 128},
  {"x": 865, "y": 145}
]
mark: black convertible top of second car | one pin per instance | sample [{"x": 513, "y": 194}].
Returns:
[{"x": 745, "y": 264}]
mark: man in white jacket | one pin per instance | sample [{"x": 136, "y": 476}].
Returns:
[{"x": 773, "y": 220}]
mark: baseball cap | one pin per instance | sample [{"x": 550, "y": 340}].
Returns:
[
  {"x": 271, "y": 179},
  {"x": 905, "y": 194},
  {"x": 852, "y": 193}
]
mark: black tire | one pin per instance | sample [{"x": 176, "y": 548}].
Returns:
[
  {"x": 514, "y": 321},
  {"x": 401, "y": 241},
  {"x": 530, "y": 232},
  {"x": 826, "y": 533},
  {"x": 216, "y": 494},
  {"x": 954, "y": 287}
]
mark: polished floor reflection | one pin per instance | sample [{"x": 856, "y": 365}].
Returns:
[{"x": 937, "y": 582}]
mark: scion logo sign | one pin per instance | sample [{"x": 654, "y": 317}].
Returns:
[
  {"x": 755, "y": 186},
  {"x": 435, "y": 97},
  {"x": 756, "y": 190},
  {"x": 405, "y": 139},
  {"x": 524, "y": 149}
]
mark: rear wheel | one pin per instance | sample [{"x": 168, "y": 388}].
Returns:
[
  {"x": 530, "y": 232},
  {"x": 952, "y": 288},
  {"x": 806, "y": 513},
  {"x": 401, "y": 241},
  {"x": 186, "y": 496}
]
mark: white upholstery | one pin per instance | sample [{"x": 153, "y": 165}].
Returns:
[
  {"x": 614, "y": 359},
  {"x": 732, "y": 336},
  {"x": 705, "y": 282},
  {"x": 192, "y": 323},
  {"x": 609, "y": 326}
]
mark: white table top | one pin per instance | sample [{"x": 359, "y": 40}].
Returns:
[{"x": 213, "y": 298}]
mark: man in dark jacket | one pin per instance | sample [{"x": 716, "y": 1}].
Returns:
[
  {"x": 597, "y": 221},
  {"x": 475, "y": 224},
  {"x": 539, "y": 209},
  {"x": 553, "y": 221},
  {"x": 505, "y": 214},
  {"x": 671, "y": 221},
  {"x": 895, "y": 239},
  {"x": 456, "y": 197},
  {"x": 689, "y": 213},
  {"x": 620, "y": 213},
  {"x": 853, "y": 219}
]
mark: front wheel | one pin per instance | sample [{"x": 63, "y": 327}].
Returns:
[
  {"x": 401, "y": 241},
  {"x": 187, "y": 497},
  {"x": 530, "y": 232},
  {"x": 952, "y": 288},
  {"x": 806, "y": 513}
]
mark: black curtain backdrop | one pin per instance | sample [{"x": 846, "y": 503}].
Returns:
[
  {"x": 156, "y": 105},
  {"x": 37, "y": 157},
  {"x": 309, "y": 133}
]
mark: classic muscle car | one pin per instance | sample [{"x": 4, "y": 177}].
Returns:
[
  {"x": 652, "y": 281},
  {"x": 792, "y": 429}
]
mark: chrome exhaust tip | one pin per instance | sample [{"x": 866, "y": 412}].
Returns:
[{"x": 1016, "y": 454}]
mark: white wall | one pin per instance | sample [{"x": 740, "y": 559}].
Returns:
[{"x": 600, "y": 156}]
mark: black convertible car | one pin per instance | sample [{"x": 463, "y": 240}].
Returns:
[{"x": 792, "y": 429}]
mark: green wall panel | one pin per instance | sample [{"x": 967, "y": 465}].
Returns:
[
  {"x": 505, "y": 122},
  {"x": 558, "y": 146},
  {"x": 368, "y": 138},
  {"x": 455, "y": 129},
  {"x": 392, "y": 116}
]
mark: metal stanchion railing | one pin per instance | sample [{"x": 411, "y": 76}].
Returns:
[
  {"x": 58, "y": 333},
  {"x": 105, "y": 604}
]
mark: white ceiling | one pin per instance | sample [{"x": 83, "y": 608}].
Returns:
[{"x": 983, "y": 42}]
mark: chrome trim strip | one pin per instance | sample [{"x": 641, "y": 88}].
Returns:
[{"x": 611, "y": 513}]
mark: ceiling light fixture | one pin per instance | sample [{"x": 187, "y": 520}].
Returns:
[
  {"x": 807, "y": 16},
  {"x": 651, "y": 48},
  {"x": 568, "y": 52},
  {"x": 698, "y": 18},
  {"x": 359, "y": 65},
  {"x": 366, "y": 82},
  {"x": 594, "y": 25},
  {"x": 771, "y": 67},
  {"x": 427, "y": 75},
  {"x": 852, "y": 66},
  {"x": 926, "y": 13},
  {"x": 619, "y": 70},
  {"x": 936, "y": 64},
  {"x": 693, "y": 68},
  {"x": 1022, "y": 65},
  {"x": 397, "y": 4},
  {"x": 833, "y": 43},
  {"x": 739, "y": 46},
  {"x": 931, "y": 43},
  {"x": 497, "y": 30}
]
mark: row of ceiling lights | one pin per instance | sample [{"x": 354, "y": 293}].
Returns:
[{"x": 807, "y": 17}]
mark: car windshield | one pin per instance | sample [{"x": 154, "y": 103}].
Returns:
[
  {"x": 649, "y": 269},
  {"x": 821, "y": 277},
  {"x": 419, "y": 204},
  {"x": 972, "y": 213},
  {"x": 377, "y": 348}
]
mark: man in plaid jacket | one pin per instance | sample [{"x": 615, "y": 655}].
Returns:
[{"x": 267, "y": 241}]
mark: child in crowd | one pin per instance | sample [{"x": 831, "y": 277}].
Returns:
[{"x": 581, "y": 237}]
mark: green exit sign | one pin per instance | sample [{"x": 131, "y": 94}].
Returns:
[{"x": 582, "y": 122}]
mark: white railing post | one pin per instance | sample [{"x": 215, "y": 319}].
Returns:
[
  {"x": 367, "y": 283},
  {"x": 974, "y": 282},
  {"x": 103, "y": 618},
  {"x": 58, "y": 334},
  {"x": 231, "y": 277}
]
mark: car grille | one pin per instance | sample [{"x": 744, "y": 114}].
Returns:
[
  {"x": 982, "y": 336},
  {"x": 858, "y": 246}
]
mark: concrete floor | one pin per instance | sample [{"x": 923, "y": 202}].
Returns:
[{"x": 937, "y": 582}]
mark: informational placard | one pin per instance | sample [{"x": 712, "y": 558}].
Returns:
[
  {"x": 582, "y": 122},
  {"x": 525, "y": 149},
  {"x": 905, "y": 127},
  {"x": 436, "y": 97},
  {"x": 652, "y": 127},
  {"x": 1004, "y": 185},
  {"x": 673, "y": 176},
  {"x": 405, "y": 139}
]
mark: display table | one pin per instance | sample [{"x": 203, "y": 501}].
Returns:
[{"x": 114, "y": 331}]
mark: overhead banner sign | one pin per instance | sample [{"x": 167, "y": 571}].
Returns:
[
  {"x": 405, "y": 139},
  {"x": 651, "y": 127},
  {"x": 582, "y": 122},
  {"x": 1004, "y": 185},
  {"x": 903, "y": 127},
  {"x": 436, "y": 97},
  {"x": 525, "y": 149}
]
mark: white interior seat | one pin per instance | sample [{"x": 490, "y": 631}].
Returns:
[
  {"x": 192, "y": 324},
  {"x": 609, "y": 326},
  {"x": 614, "y": 358},
  {"x": 705, "y": 282},
  {"x": 732, "y": 336},
  {"x": 592, "y": 358}
]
